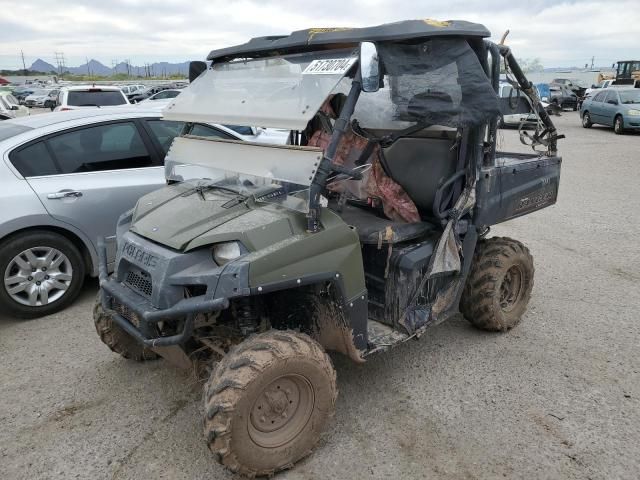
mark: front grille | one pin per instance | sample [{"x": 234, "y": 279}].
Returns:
[
  {"x": 31, "y": 102},
  {"x": 140, "y": 282},
  {"x": 126, "y": 312}
]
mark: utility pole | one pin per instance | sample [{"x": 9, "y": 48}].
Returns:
[
  {"x": 592, "y": 60},
  {"x": 88, "y": 71},
  {"x": 60, "y": 62},
  {"x": 24, "y": 65}
]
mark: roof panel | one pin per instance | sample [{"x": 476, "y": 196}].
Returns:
[{"x": 307, "y": 39}]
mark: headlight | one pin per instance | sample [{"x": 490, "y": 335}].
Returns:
[
  {"x": 545, "y": 99},
  {"x": 634, "y": 112},
  {"x": 225, "y": 252}
]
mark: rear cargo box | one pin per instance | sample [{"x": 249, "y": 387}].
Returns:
[{"x": 518, "y": 184}]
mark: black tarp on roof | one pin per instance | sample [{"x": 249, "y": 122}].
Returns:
[{"x": 318, "y": 37}]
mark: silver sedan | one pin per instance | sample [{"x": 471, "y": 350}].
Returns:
[{"x": 65, "y": 178}]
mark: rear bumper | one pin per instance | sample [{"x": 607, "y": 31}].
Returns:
[{"x": 143, "y": 318}]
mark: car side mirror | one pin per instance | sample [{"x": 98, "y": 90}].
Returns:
[
  {"x": 195, "y": 69},
  {"x": 612, "y": 102},
  {"x": 369, "y": 67},
  {"x": 593, "y": 85},
  {"x": 14, "y": 107}
]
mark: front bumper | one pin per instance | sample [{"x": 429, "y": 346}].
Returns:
[
  {"x": 143, "y": 317},
  {"x": 632, "y": 122}
]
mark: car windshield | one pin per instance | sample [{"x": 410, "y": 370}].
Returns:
[
  {"x": 8, "y": 130},
  {"x": 576, "y": 82},
  {"x": 40, "y": 92},
  {"x": 100, "y": 98},
  {"x": 629, "y": 97},
  {"x": 11, "y": 100}
]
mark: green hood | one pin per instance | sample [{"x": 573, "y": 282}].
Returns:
[{"x": 180, "y": 218}]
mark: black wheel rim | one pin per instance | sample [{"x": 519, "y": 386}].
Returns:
[{"x": 511, "y": 288}]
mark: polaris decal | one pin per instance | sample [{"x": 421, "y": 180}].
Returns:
[{"x": 139, "y": 255}]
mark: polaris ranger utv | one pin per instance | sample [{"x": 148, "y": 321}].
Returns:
[{"x": 362, "y": 232}]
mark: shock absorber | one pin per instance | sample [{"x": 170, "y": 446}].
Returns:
[{"x": 247, "y": 316}]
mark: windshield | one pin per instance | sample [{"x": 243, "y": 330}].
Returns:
[
  {"x": 101, "y": 98},
  {"x": 280, "y": 92},
  {"x": 629, "y": 96},
  {"x": 40, "y": 92},
  {"x": 11, "y": 100},
  {"x": 576, "y": 82},
  {"x": 272, "y": 173}
]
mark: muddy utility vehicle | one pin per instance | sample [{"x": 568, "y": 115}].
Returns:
[{"x": 368, "y": 228}]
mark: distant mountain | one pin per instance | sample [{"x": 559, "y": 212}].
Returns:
[
  {"x": 94, "y": 67},
  {"x": 42, "y": 66}
]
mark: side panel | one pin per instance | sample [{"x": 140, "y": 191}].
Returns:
[{"x": 336, "y": 248}]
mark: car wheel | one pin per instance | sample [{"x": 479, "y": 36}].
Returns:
[
  {"x": 586, "y": 120},
  {"x": 42, "y": 273},
  {"x": 618, "y": 125}
]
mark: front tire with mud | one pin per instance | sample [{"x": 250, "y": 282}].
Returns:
[
  {"x": 499, "y": 285},
  {"x": 117, "y": 339},
  {"x": 268, "y": 401}
]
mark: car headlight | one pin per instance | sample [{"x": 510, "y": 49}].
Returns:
[
  {"x": 225, "y": 252},
  {"x": 634, "y": 112},
  {"x": 545, "y": 99}
]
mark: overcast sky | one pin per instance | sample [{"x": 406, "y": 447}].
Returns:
[{"x": 560, "y": 33}]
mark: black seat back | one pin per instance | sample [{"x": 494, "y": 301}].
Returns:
[{"x": 421, "y": 165}]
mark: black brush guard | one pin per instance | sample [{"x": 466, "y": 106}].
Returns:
[{"x": 113, "y": 293}]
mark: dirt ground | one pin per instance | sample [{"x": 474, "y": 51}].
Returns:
[{"x": 558, "y": 397}]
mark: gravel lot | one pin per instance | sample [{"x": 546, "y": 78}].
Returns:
[{"x": 557, "y": 397}]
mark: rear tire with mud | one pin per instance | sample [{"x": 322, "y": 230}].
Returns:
[
  {"x": 117, "y": 339},
  {"x": 499, "y": 285},
  {"x": 268, "y": 401}
]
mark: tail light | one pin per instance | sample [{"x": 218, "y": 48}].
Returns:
[{"x": 65, "y": 109}]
